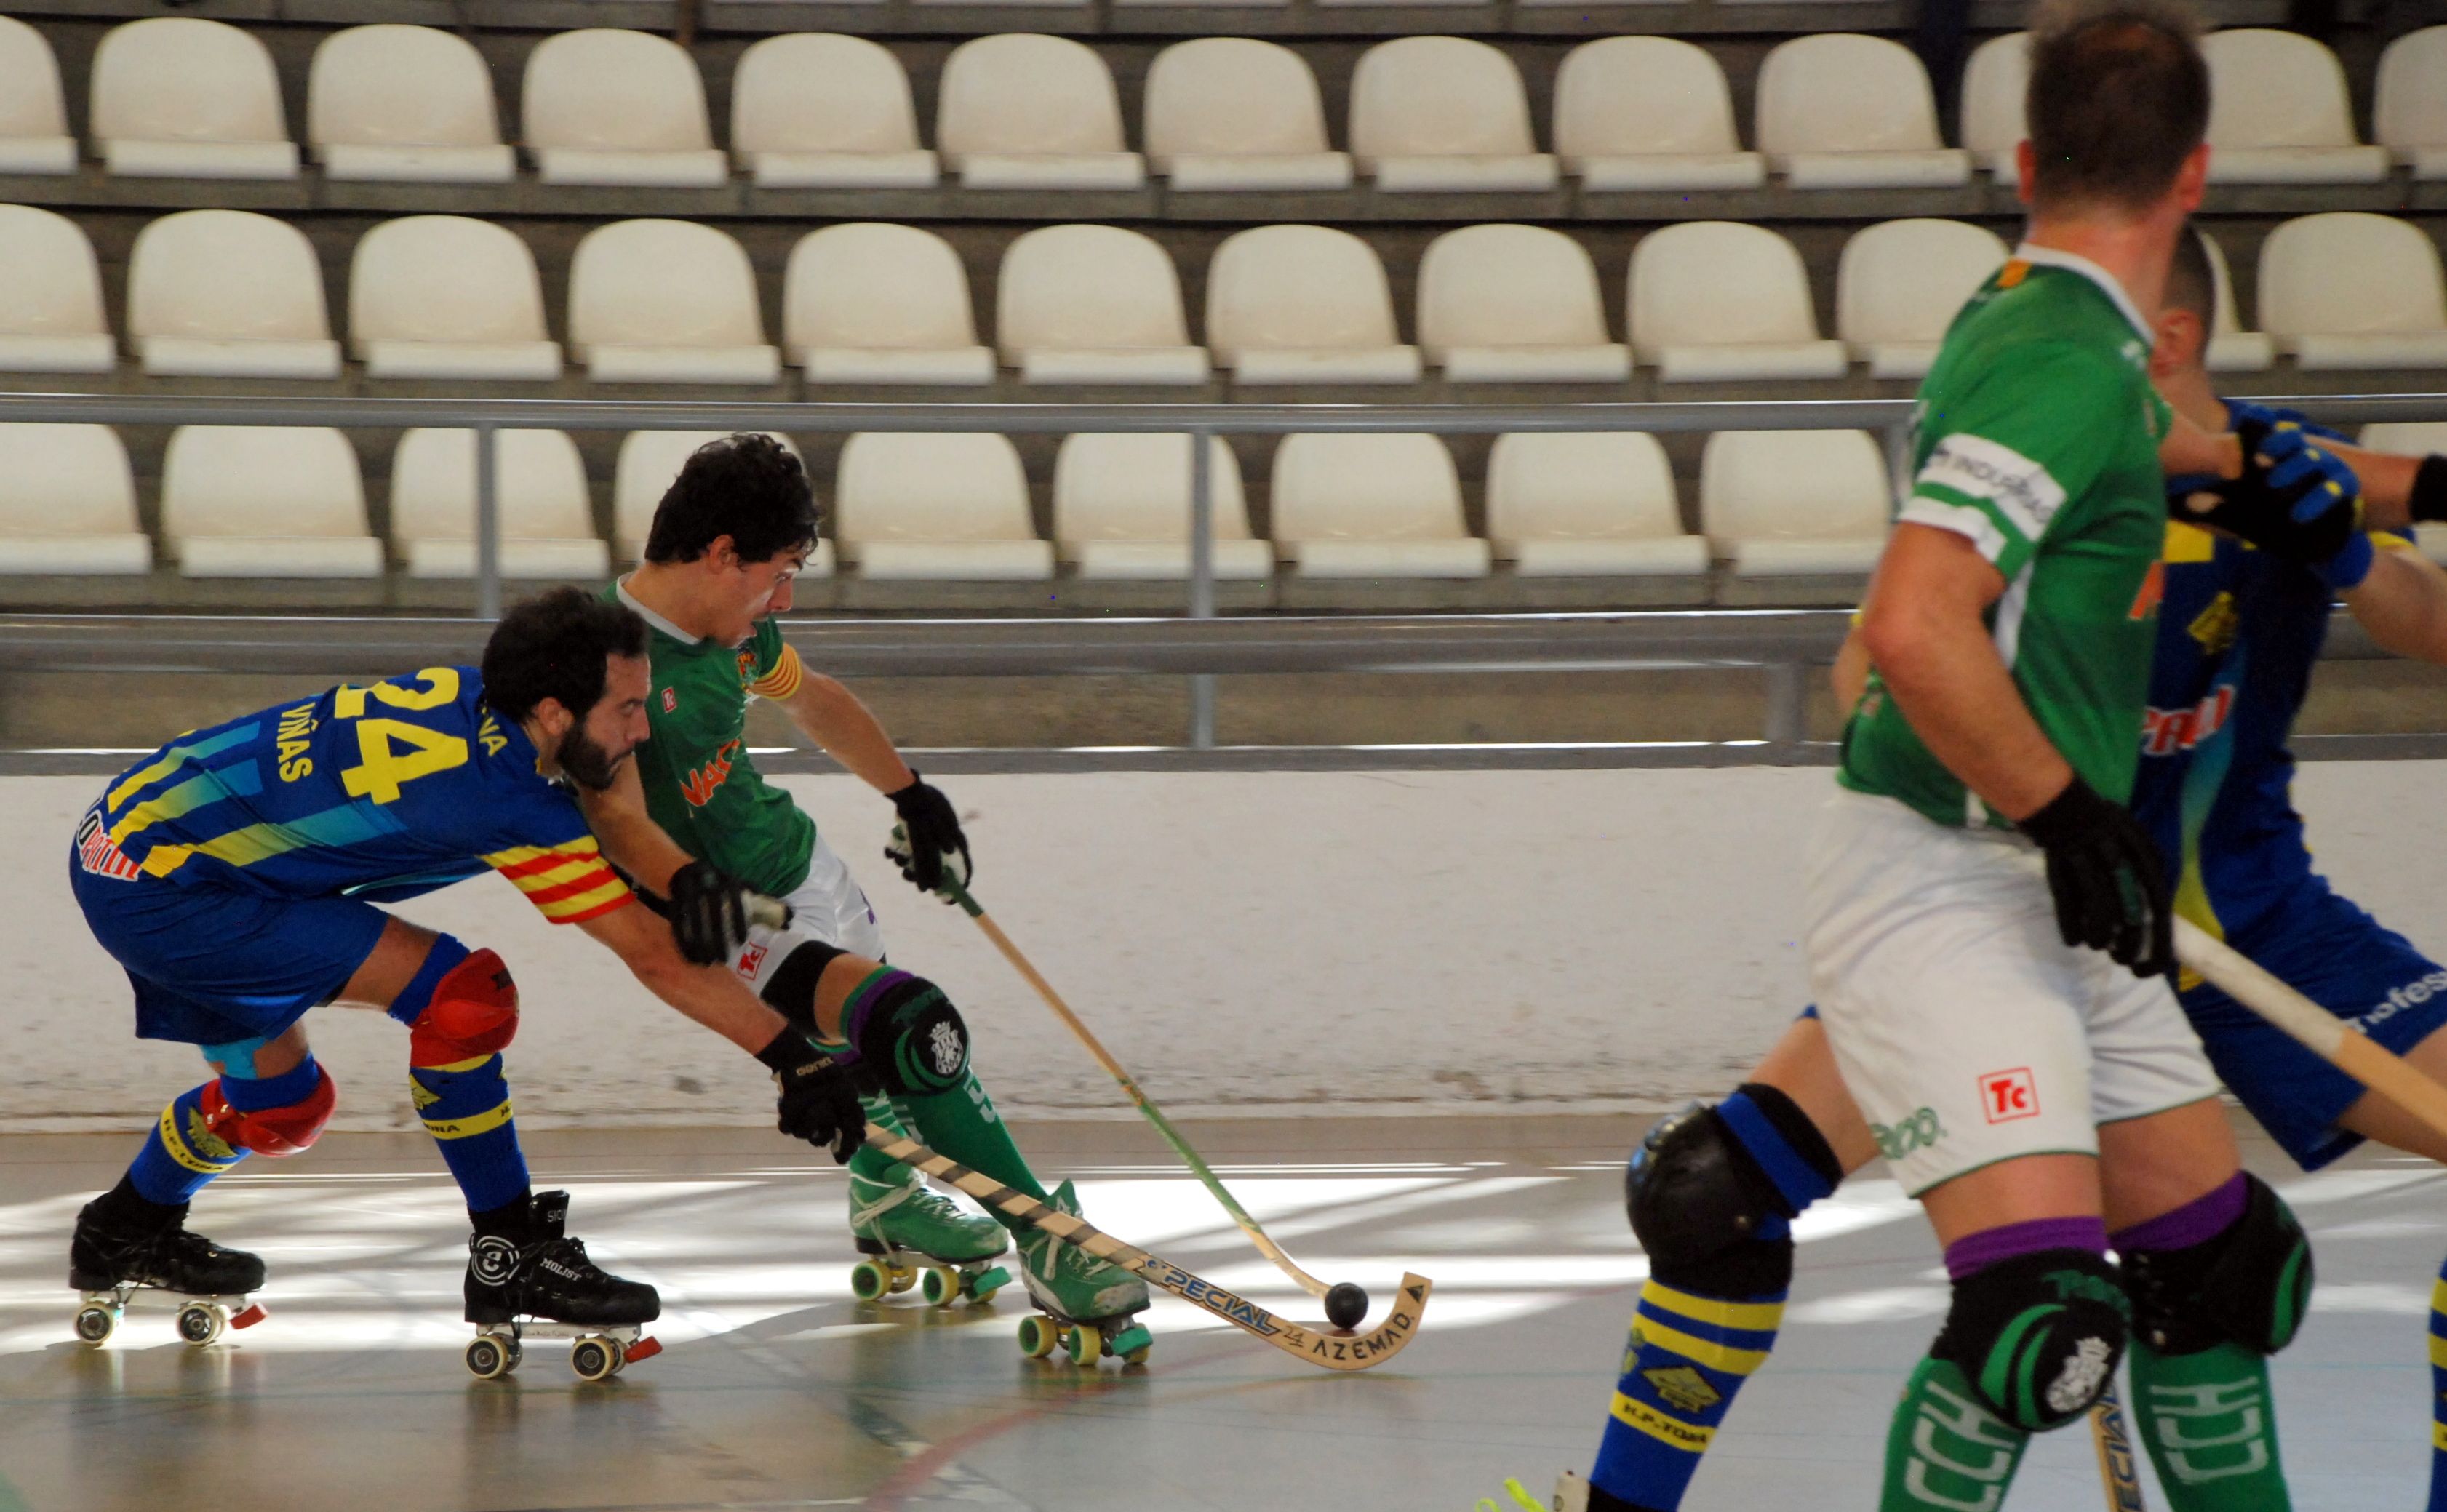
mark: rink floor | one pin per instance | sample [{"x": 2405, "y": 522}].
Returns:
[{"x": 777, "y": 1389}]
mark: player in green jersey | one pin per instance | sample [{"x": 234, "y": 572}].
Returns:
[
  {"x": 727, "y": 541},
  {"x": 1987, "y": 928}
]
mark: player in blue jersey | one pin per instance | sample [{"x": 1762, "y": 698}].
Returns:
[
  {"x": 234, "y": 874},
  {"x": 2239, "y": 630}
]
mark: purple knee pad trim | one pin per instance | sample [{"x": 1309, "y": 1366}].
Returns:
[
  {"x": 1974, "y": 1252},
  {"x": 2198, "y": 1221},
  {"x": 861, "y": 1000}
]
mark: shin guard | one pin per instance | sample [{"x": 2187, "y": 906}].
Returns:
[
  {"x": 2211, "y": 1427},
  {"x": 1945, "y": 1451}
]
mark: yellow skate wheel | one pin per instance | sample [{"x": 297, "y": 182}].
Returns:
[
  {"x": 595, "y": 1359},
  {"x": 869, "y": 1280},
  {"x": 1132, "y": 1344},
  {"x": 939, "y": 1285},
  {"x": 1036, "y": 1337},
  {"x": 94, "y": 1324},
  {"x": 904, "y": 1277},
  {"x": 1087, "y": 1345},
  {"x": 486, "y": 1358},
  {"x": 199, "y": 1323}
]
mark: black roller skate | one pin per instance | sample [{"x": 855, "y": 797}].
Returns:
[
  {"x": 529, "y": 1280},
  {"x": 125, "y": 1248}
]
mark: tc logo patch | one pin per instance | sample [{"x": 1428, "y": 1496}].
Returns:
[
  {"x": 749, "y": 959},
  {"x": 1683, "y": 1387},
  {"x": 670, "y": 699},
  {"x": 2005, "y": 1096}
]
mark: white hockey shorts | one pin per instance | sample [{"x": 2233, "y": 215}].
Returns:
[
  {"x": 830, "y": 908},
  {"x": 1967, "y": 1030}
]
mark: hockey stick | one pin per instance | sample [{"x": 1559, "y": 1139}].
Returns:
[
  {"x": 1332, "y": 1348},
  {"x": 1342, "y": 1306},
  {"x": 2118, "y": 1475},
  {"x": 2331, "y": 1038}
]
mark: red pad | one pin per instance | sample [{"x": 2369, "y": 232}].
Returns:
[
  {"x": 273, "y": 1131},
  {"x": 474, "y": 1013},
  {"x": 250, "y": 1318},
  {"x": 645, "y": 1349}
]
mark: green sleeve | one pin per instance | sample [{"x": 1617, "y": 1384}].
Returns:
[
  {"x": 2003, "y": 452},
  {"x": 765, "y": 647}
]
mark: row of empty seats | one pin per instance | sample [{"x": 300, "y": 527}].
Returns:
[
  {"x": 273, "y": 502},
  {"x": 185, "y": 96},
  {"x": 225, "y": 293}
]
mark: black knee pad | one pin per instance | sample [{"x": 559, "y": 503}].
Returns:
[
  {"x": 910, "y": 1037},
  {"x": 2250, "y": 1285},
  {"x": 1702, "y": 1206},
  {"x": 791, "y": 990},
  {"x": 2037, "y": 1336}
]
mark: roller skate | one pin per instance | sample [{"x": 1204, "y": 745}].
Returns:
[
  {"x": 1089, "y": 1305},
  {"x": 913, "y": 1236},
  {"x": 125, "y": 1248},
  {"x": 538, "y": 1283}
]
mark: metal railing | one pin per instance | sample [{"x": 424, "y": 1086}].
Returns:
[{"x": 1785, "y": 643}]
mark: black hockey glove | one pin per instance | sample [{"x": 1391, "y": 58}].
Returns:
[
  {"x": 2296, "y": 499},
  {"x": 819, "y": 1100},
  {"x": 709, "y": 912},
  {"x": 928, "y": 837},
  {"x": 2104, "y": 875}
]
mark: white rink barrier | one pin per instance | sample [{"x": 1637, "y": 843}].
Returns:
[{"x": 1245, "y": 944}]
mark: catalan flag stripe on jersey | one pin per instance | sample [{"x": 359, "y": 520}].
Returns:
[{"x": 569, "y": 882}]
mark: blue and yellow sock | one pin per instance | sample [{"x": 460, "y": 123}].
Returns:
[
  {"x": 1695, "y": 1338},
  {"x": 182, "y": 1153},
  {"x": 466, "y": 1108}
]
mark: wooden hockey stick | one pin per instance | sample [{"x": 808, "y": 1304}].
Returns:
[
  {"x": 1330, "y": 1348},
  {"x": 959, "y": 893},
  {"x": 2331, "y": 1038},
  {"x": 2117, "y": 1474}
]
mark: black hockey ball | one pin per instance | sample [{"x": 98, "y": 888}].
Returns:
[{"x": 1345, "y": 1305}]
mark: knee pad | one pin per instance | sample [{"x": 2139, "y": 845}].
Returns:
[
  {"x": 273, "y": 1131},
  {"x": 791, "y": 990},
  {"x": 474, "y": 1013},
  {"x": 2037, "y": 1336},
  {"x": 1702, "y": 1208},
  {"x": 2249, "y": 1285},
  {"x": 908, "y": 1034}
]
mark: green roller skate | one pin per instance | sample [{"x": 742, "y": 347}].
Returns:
[
  {"x": 913, "y": 1236},
  {"x": 1090, "y": 1304}
]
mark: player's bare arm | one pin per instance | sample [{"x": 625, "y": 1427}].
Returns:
[
  {"x": 2403, "y": 603},
  {"x": 840, "y": 723},
  {"x": 709, "y": 994}
]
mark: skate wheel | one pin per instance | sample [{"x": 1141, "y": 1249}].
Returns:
[
  {"x": 1087, "y": 1345},
  {"x": 939, "y": 1285},
  {"x": 595, "y": 1359},
  {"x": 199, "y": 1323},
  {"x": 488, "y": 1359},
  {"x": 869, "y": 1280},
  {"x": 1132, "y": 1344},
  {"x": 94, "y": 1324},
  {"x": 904, "y": 1277},
  {"x": 1036, "y": 1339},
  {"x": 983, "y": 1286}
]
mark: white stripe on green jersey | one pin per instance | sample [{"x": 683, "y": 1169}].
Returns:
[{"x": 2036, "y": 439}]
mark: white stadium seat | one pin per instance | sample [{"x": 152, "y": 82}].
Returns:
[
  {"x": 547, "y": 525},
  {"x": 409, "y": 104},
  {"x": 1899, "y": 285},
  {"x": 911, "y": 504},
  {"x": 1588, "y": 502},
  {"x": 2409, "y": 116},
  {"x": 819, "y": 111},
  {"x": 2413, "y": 438},
  {"x": 1649, "y": 113},
  {"x": 1839, "y": 110},
  {"x": 1515, "y": 303},
  {"x": 228, "y": 293},
  {"x": 649, "y": 460},
  {"x": 179, "y": 97},
  {"x": 265, "y": 502},
  {"x": 1787, "y": 502},
  {"x": 2351, "y": 290},
  {"x": 606, "y": 106},
  {"x": 2279, "y": 112},
  {"x": 447, "y": 297},
  {"x": 1993, "y": 84},
  {"x": 1441, "y": 114},
  {"x": 68, "y": 502},
  {"x": 667, "y": 301},
  {"x": 1232, "y": 113},
  {"x": 1303, "y": 304},
  {"x": 33, "y": 111},
  {"x": 2231, "y": 349},
  {"x": 51, "y": 296},
  {"x": 870, "y": 302},
  {"x": 1024, "y": 111},
  {"x": 1372, "y": 505},
  {"x": 1093, "y": 304},
  {"x": 1121, "y": 509},
  {"x": 1718, "y": 299}
]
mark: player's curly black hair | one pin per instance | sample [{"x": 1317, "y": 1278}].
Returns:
[
  {"x": 554, "y": 646},
  {"x": 748, "y": 487}
]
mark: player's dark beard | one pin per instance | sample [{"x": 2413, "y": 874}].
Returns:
[{"x": 587, "y": 763}]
